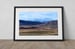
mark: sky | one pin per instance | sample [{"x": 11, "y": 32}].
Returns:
[{"x": 38, "y": 16}]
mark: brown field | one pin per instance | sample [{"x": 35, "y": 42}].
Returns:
[{"x": 38, "y": 32}]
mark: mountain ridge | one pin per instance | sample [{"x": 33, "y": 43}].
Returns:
[{"x": 22, "y": 22}]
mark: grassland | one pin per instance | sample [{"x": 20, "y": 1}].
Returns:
[{"x": 38, "y": 32}]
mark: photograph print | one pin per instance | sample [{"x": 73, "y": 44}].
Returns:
[{"x": 38, "y": 23}]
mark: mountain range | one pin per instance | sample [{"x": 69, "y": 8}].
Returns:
[
  {"x": 22, "y": 22},
  {"x": 51, "y": 24}
]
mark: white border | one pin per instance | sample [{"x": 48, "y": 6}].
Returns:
[{"x": 52, "y": 37}]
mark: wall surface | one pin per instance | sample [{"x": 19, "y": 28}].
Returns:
[{"x": 7, "y": 15}]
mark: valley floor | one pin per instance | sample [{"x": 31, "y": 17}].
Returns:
[{"x": 38, "y": 32}]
